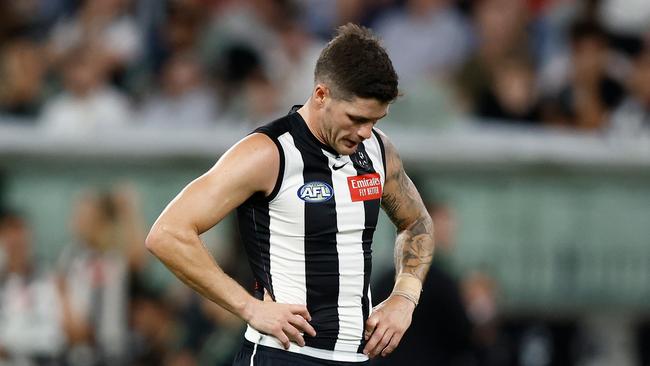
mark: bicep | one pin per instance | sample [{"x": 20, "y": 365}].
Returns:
[{"x": 248, "y": 167}]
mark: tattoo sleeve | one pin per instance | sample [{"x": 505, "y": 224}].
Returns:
[{"x": 402, "y": 203}]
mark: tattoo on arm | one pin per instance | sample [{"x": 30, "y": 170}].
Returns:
[
  {"x": 414, "y": 249},
  {"x": 403, "y": 205}
]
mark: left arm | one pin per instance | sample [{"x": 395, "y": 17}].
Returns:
[{"x": 413, "y": 254}]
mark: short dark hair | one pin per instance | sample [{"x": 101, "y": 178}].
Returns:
[{"x": 355, "y": 64}]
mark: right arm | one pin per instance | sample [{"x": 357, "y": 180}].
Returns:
[{"x": 250, "y": 166}]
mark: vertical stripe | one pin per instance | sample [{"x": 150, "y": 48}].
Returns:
[
  {"x": 287, "y": 223},
  {"x": 253, "y": 354},
  {"x": 321, "y": 256},
  {"x": 378, "y": 141},
  {"x": 371, "y": 214},
  {"x": 261, "y": 225},
  {"x": 253, "y": 220},
  {"x": 350, "y": 223}
]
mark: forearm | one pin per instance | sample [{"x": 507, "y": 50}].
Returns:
[
  {"x": 414, "y": 248},
  {"x": 413, "y": 254},
  {"x": 186, "y": 256}
]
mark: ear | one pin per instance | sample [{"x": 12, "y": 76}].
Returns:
[{"x": 321, "y": 93}]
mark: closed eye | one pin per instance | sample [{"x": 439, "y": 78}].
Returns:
[{"x": 362, "y": 120}]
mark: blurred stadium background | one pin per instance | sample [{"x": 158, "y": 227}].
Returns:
[{"x": 526, "y": 124}]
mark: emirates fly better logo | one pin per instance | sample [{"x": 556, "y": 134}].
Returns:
[
  {"x": 365, "y": 187},
  {"x": 315, "y": 192}
]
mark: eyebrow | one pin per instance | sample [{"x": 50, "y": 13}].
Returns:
[{"x": 365, "y": 119}]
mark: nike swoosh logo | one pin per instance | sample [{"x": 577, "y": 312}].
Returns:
[{"x": 337, "y": 167}]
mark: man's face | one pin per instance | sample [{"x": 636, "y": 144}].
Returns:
[
  {"x": 15, "y": 240},
  {"x": 347, "y": 123}
]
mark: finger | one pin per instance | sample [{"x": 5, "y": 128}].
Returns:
[
  {"x": 301, "y": 310},
  {"x": 294, "y": 335},
  {"x": 300, "y": 323},
  {"x": 283, "y": 339},
  {"x": 376, "y": 337},
  {"x": 394, "y": 342},
  {"x": 385, "y": 340},
  {"x": 371, "y": 324}
]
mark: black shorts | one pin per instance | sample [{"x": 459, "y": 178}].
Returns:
[{"x": 269, "y": 356}]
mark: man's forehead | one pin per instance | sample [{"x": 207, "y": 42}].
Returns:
[{"x": 367, "y": 108}]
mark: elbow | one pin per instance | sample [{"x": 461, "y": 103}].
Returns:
[
  {"x": 155, "y": 241},
  {"x": 164, "y": 240}
]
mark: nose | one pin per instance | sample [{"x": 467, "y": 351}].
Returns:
[{"x": 365, "y": 131}]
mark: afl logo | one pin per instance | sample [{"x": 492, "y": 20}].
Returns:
[{"x": 315, "y": 192}]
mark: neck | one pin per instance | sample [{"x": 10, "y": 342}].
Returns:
[{"x": 308, "y": 113}]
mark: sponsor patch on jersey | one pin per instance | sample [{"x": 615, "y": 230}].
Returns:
[
  {"x": 315, "y": 192},
  {"x": 365, "y": 187}
]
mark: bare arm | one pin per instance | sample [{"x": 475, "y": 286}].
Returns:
[
  {"x": 250, "y": 166},
  {"x": 413, "y": 254},
  {"x": 402, "y": 203}
]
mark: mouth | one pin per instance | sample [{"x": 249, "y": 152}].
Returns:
[{"x": 349, "y": 143}]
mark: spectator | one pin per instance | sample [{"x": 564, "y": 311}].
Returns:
[
  {"x": 480, "y": 299},
  {"x": 246, "y": 90},
  {"x": 321, "y": 18},
  {"x": 292, "y": 64},
  {"x": 250, "y": 24},
  {"x": 107, "y": 246},
  {"x": 156, "y": 333},
  {"x": 180, "y": 33},
  {"x": 440, "y": 332},
  {"x": 183, "y": 99},
  {"x": 586, "y": 101},
  {"x": 425, "y": 39},
  {"x": 511, "y": 96},
  {"x": 632, "y": 117},
  {"x": 104, "y": 26},
  {"x": 31, "y": 329},
  {"x": 503, "y": 32},
  {"x": 88, "y": 104},
  {"x": 22, "y": 85}
]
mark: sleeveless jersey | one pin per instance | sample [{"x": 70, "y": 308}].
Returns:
[{"x": 309, "y": 241}]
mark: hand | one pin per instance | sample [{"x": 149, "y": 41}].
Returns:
[
  {"x": 286, "y": 322},
  {"x": 387, "y": 324}
]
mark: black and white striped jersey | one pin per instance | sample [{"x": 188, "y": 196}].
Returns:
[{"x": 309, "y": 241}]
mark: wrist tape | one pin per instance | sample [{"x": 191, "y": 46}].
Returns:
[{"x": 408, "y": 286}]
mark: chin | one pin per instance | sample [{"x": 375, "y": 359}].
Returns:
[{"x": 344, "y": 150}]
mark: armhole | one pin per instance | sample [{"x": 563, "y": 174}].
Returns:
[
  {"x": 381, "y": 148},
  {"x": 278, "y": 181}
]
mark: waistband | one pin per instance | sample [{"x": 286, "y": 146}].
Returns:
[{"x": 256, "y": 337}]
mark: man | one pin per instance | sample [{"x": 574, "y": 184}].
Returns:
[
  {"x": 307, "y": 188},
  {"x": 31, "y": 331}
]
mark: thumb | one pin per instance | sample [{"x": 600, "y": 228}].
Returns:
[{"x": 371, "y": 324}]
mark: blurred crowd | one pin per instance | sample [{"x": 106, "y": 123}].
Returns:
[
  {"x": 101, "y": 303},
  {"x": 98, "y": 304},
  {"x": 74, "y": 67},
  {"x": 78, "y": 66}
]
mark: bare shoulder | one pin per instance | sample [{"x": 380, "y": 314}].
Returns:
[
  {"x": 256, "y": 147},
  {"x": 253, "y": 162}
]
